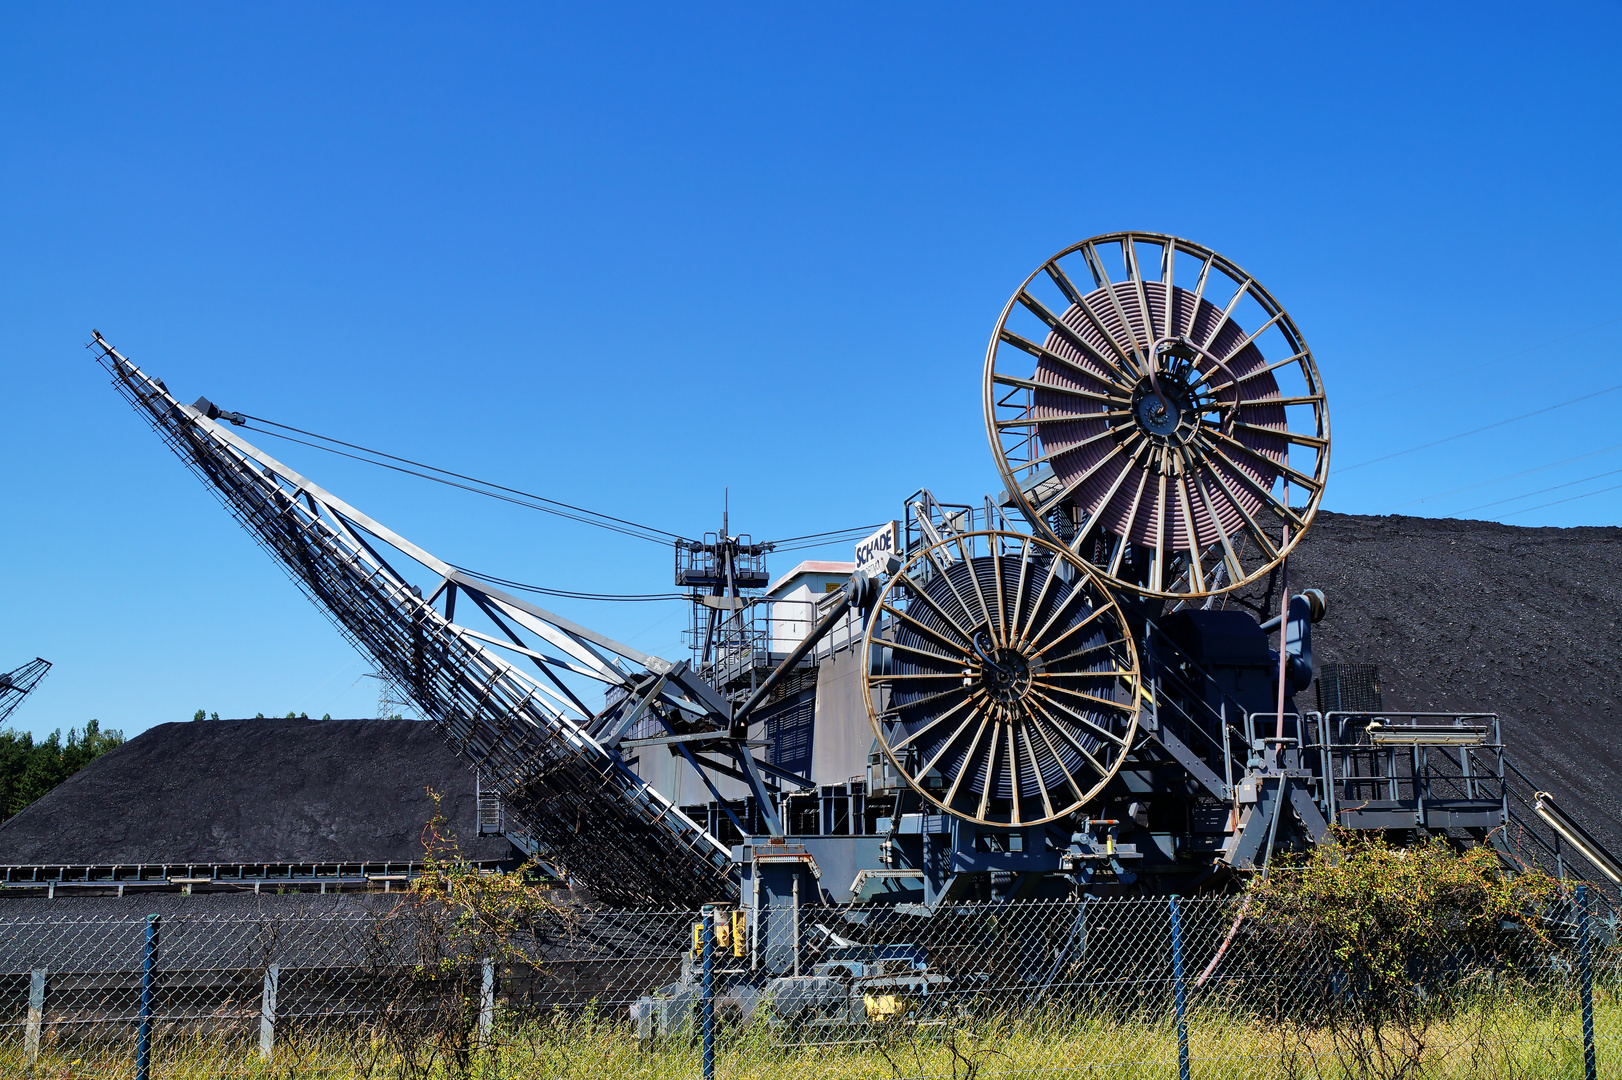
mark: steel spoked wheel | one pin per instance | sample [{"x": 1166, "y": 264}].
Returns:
[
  {"x": 1002, "y": 680},
  {"x": 1168, "y": 427}
]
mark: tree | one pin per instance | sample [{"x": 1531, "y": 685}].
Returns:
[{"x": 28, "y": 770}]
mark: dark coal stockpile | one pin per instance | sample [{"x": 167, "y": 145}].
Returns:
[
  {"x": 251, "y": 791},
  {"x": 1474, "y": 615}
]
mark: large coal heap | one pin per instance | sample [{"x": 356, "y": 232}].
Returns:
[
  {"x": 252, "y": 791},
  {"x": 1475, "y": 615}
]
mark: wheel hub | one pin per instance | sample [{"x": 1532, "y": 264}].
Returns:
[
  {"x": 1005, "y": 674},
  {"x": 1167, "y": 413}
]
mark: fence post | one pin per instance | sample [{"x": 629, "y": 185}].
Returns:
[
  {"x": 1177, "y": 988},
  {"x": 143, "y": 1035},
  {"x": 707, "y": 998},
  {"x": 267, "y": 1012},
  {"x": 487, "y": 1002},
  {"x": 1590, "y": 1066},
  {"x": 36, "y": 1015}
]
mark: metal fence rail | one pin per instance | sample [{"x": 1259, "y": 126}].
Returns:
[{"x": 1119, "y": 988}]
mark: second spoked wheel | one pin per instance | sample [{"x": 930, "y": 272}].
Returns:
[{"x": 1002, "y": 680}]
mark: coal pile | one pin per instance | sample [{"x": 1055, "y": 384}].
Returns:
[
  {"x": 1475, "y": 615},
  {"x": 255, "y": 791}
]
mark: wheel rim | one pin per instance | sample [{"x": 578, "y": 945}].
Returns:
[
  {"x": 1002, "y": 682},
  {"x": 1174, "y": 450}
]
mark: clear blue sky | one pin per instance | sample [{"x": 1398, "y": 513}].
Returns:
[{"x": 631, "y": 256}]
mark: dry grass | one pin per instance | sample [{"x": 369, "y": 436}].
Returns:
[{"x": 1504, "y": 1039}]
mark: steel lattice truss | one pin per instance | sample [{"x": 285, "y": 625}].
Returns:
[
  {"x": 18, "y": 684},
  {"x": 530, "y": 735}
]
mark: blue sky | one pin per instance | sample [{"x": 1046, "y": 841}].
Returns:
[{"x": 632, "y": 256}]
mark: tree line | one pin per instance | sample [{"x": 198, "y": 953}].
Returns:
[{"x": 29, "y": 769}]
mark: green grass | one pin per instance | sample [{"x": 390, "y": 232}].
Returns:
[{"x": 1503, "y": 1039}]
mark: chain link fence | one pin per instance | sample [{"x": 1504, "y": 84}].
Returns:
[{"x": 1106, "y": 988}]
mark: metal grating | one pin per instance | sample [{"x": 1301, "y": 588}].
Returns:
[{"x": 1353, "y": 688}]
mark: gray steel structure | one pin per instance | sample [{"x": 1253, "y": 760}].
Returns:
[{"x": 1017, "y": 713}]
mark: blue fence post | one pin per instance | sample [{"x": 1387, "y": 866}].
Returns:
[
  {"x": 1586, "y": 973},
  {"x": 143, "y": 1036},
  {"x": 1178, "y": 990},
  {"x": 707, "y": 1001}
]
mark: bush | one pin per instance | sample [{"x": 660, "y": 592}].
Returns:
[{"x": 1406, "y": 937}]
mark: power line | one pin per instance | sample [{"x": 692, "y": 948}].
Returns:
[
  {"x": 552, "y": 506},
  {"x": 1506, "y": 476},
  {"x": 1541, "y": 491},
  {"x": 1479, "y": 430},
  {"x": 527, "y": 499},
  {"x": 862, "y": 530},
  {"x": 569, "y": 593},
  {"x": 1557, "y": 502}
]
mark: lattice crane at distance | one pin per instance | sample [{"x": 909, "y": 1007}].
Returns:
[{"x": 19, "y": 683}]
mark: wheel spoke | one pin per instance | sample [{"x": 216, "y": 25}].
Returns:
[
  {"x": 1018, "y": 618},
  {"x": 1013, "y": 774},
  {"x": 1309, "y": 399},
  {"x": 1075, "y": 340},
  {"x": 1288, "y": 436},
  {"x": 1257, "y": 533},
  {"x": 1065, "y": 733},
  {"x": 1100, "y": 647},
  {"x": 991, "y": 774},
  {"x": 1042, "y": 352},
  {"x": 1144, "y": 363},
  {"x": 1075, "y": 485},
  {"x": 1102, "y": 703},
  {"x": 1199, "y": 293},
  {"x": 932, "y": 724},
  {"x": 1227, "y": 313},
  {"x": 1252, "y": 375},
  {"x": 1036, "y": 768},
  {"x": 968, "y": 762},
  {"x": 1195, "y": 570},
  {"x": 918, "y": 703},
  {"x": 1041, "y": 729},
  {"x": 1042, "y": 646},
  {"x": 932, "y": 655},
  {"x": 1036, "y": 640},
  {"x": 1059, "y": 388},
  {"x": 1168, "y": 257},
  {"x": 979, "y": 593},
  {"x": 936, "y": 634},
  {"x": 1253, "y": 335},
  {"x": 1229, "y": 555},
  {"x": 1299, "y": 479},
  {"x": 1094, "y": 518},
  {"x": 929, "y": 602}
]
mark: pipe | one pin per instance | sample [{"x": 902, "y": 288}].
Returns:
[
  {"x": 794, "y": 923},
  {"x": 1578, "y": 837},
  {"x": 1315, "y": 600},
  {"x": 1283, "y": 614}
]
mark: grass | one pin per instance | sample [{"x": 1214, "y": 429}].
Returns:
[{"x": 1502, "y": 1039}]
